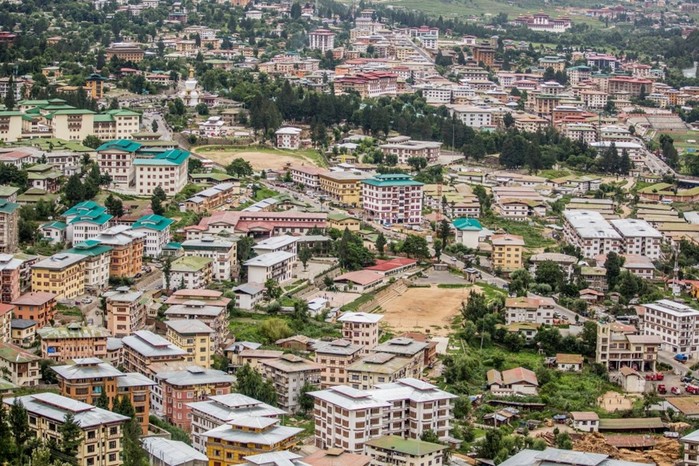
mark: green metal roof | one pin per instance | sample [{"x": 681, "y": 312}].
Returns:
[
  {"x": 169, "y": 157},
  {"x": 6, "y": 190},
  {"x": 467, "y": 224},
  {"x": 125, "y": 145},
  {"x": 82, "y": 208},
  {"x": 8, "y": 207},
  {"x": 190, "y": 264},
  {"x": 55, "y": 224},
  {"x": 89, "y": 248},
  {"x": 103, "y": 118},
  {"x": 392, "y": 180},
  {"x": 10, "y": 113},
  {"x": 410, "y": 447},
  {"x": 153, "y": 222},
  {"x": 74, "y": 111},
  {"x": 96, "y": 217},
  {"x": 214, "y": 176}
]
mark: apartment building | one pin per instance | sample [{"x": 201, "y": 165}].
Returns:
[
  {"x": 144, "y": 350},
  {"x": 690, "y": 449},
  {"x": 156, "y": 230},
  {"x": 391, "y": 450},
  {"x": 258, "y": 224},
  {"x": 306, "y": 176},
  {"x": 125, "y": 51},
  {"x": 167, "y": 170},
  {"x": 192, "y": 384},
  {"x": 361, "y": 328},
  {"x": 676, "y": 324},
  {"x": 212, "y": 198},
  {"x": 283, "y": 243},
  {"x": 127, "y": 250},
  {"x": 218, "y": 410},
  {"x": 288, "y": 138},
  {"x": 621, "y": 345},
  {"x": 342, "y": 187},
  {"x": 19, "y": 366},
  {"x": 101, "y": 430},
  {"x": 6, "y": 317},
  {"x": 638, "y": 237},
  {"x": 406, "y": 408},
  {"x": 165, "y": 452},
  {"x": 62, "y": 274},
  {"x": 289, "y": 373},
  {"x": 97, "y": 258},
  {"x": 87, "y": 224},
  {"x": 321, "y": 39},
  {"x": 404, "y": 148},
  {"x": 240, "y": 437},
  {"x": 10, "y": 126},
  {"x": 368, "y": 85},
  {"x": 213, "y": 313},
  {"x": 378, "y": 368},
  {"x": 10, "y": 288},
  {"x": 531, "y": 310},
  {"x": 475, "y": 117},
  {"x": 39, "y": 307},
  {"x": 85, "y": 380},
  {"x": 126, "y": 311},
  {"x": 222, "y": 252},
  {"x": 393, "y": 198},
  {"x": 73, "y": 341},
  {"x": 189, "y": 272},
  {"x": 9, "y": 218},
  {"x": 624, "y": 85},
  {"x": 507, "y": 252},
  {"x": 277, "y": 266},
  {"x": 193, "y": 336},
  {"x": 115, "y": 158},
  {"x": 408, "y": 348},
  {"x": 335, "y": 357},
  {"x": 589, "y": 231}
]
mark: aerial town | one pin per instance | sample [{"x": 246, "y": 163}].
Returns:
[{"x": 334, "y": 233}]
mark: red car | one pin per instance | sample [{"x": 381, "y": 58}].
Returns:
[
  {"x": 655, "y": 376},
  {"x": 693, "y": 389},
  {"x": 661, "y": 389},
  {"x": 675, "y": 390}
]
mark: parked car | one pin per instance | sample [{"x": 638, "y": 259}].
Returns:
[
  {"x": 675, "y": 391},
  {"x": 670, "y": 434},
  {"x": 687, "y": 379},
  {"x": 693, "y": 389},
  {"x": 681, "y": 357},
  {"x": 661, "y": 389},
  {"x": 655, "y": 376},
  {"x": 86, "y": 300}
]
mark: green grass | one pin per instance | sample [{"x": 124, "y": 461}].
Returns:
[
  {"x": 551, "y": 174},
  {"x": 354, "y": 305},
  {"x": 454, "y": 285},
  {"x": 265, "y": 193},
  {"x": 532, "y": 233},
  {"x": 246, "y": 327},
  {"x": 490, "y": 291}
]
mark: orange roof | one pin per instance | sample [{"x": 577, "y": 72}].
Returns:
[
  {"x": 34, "y": 298},
  {"x": 391, "y": 264},
  {"x": 5, "y": 308}
]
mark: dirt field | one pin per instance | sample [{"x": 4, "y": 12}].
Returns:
[
  {"x": 425, "y": 309},
  {"x": 274, "y": 160}
]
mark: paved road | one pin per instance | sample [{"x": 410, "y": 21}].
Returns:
[
  {"x": 667, "y": 357},
  {"x": 163, "y": 129},
  {"x": 485, "y": 276}
]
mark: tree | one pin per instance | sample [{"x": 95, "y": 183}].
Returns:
[
  {"x": 508, "y": 120},
  {"x": 133, "y": 454},
  {"x": 92, "y": 141},
  {"x": 484, "y": 199},
  {"x": 167, "y": 272},
  {"x": 103, "y": 400},
  {"x": 201, "y": 109},
  {"x": 74, "y": 190},
  {"x": 239, "y": 167},
  {"x": 417, "y": 163},
  {"x": 305, "y": 254},
  {"x": 444, "y": 231},
  {"x": 114, "y": 206},
  {"x": 491, "y": 445},
  {"x": 19, "y": 426},
  {"x": 156, "y": 205},
  {"x": 194, "y": 165},
  {"x": 10, "y": 100},
  {"x": 613, "y": 266},
  {"x": 250, "y": 383},
  {"x": 295, "y": 11},
  {"x": 551, "y": 273},
  {"x": 71, "y": 438},
  {"x": 272, "y": 289},
  {"x": 416, "y": 247},
  {"x": 520, "y": 280},
  {"x": 306, "y": 400},
  {"x": 625, "y": 163},
  {"x": 275, "y": 329},
  {"x": 351, "y": 253},
  {"x": 154, "y": 127},
  {"x": 380, "y": 243}
]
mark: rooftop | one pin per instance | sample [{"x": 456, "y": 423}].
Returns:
[
  {"x": 56, "y": 407},
  {"x": 411, "y": 447}
]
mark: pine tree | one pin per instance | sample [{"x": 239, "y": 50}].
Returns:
[
  {"x": 71, "y": 438},
  {"x": 380, "y": 244},
  {"x": 19, "y": 426},
  {"x": 74, "y": 190},
  {"x": 103, "y": 400},
  {"x": 10, "y": 100}
]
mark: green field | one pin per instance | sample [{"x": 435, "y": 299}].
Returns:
[{"x": 681, "y": 138}]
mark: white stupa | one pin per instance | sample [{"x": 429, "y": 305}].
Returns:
[{"x": 190, "y": 94}]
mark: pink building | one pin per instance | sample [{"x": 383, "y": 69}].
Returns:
[{"x": 393, "y": 198}]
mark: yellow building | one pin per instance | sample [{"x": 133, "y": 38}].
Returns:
[
  {"x": 507, "y": 252},
  {"x": 62, "y": 274},
  {"x": 101, "y": 430},
  {"x": 342, "y": 187},
  {"x": 245, "y": 436},
  {"x": 72, "y": 124},
  {"x": 10, "y": 126},
  {"x": 193, "y": 336},
  {"x": 342, "y": 221}
]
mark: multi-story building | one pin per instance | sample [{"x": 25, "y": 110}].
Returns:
[
  {"x": 193, "y": 384},
  {"x": 228, "y": 444},
  {"x": 368, "y": 85},
  {"x": 6, "y": 317},
  {"x": 167, "y": 170},
  {"x": 19, "y": 366},
  {"x": 283, "y": 243},
  {"x": 39, "y": 307},
  {"x": 321, "y": 39},
  {"x": 342, "y": 187},
  {"x": 100, "y": 430},
  {"x": 475, "y": 117},
  {"x": 86, "y": 379},
  {"x": 361, "y": 328},
  {"x": 165, "y": 452},
  {"x": 406, "y": 408},
  {"x": 288, "y": 138},
  {"x": 157, "y": 233},
  {"x": 507, "y": 252},
  {"x": 214, "y": 197},
  {"x": 212, "y": 312},
  {"x": 97, "y": 259},
  {"x": 23, "y": 332},
  {"x": 676, "y": 324},
  {"x": 193, "y": 336},
  {"x": 393, "y": 199},
  {"x": 127, "y": 250},
  {"x": 621, "y": 345},
  {"x": 589, "y": 231},
  {"x": 638, "y": 237},
  {"x": 219, "y": 409},
  {"x": 115, "y": 158},
  {"x": 289, "y": 374},
  {"x": 125, "y": 51},
  {"x": 532, "y": 310},
  {"x": 87, "y": 224},
  {"x": 690, "y": 444},
  {"x": 10, "y": 126},
  {"x": 189, "y": 272},
  {"x": 378, "y": 368},
  {"x": 627, "y": 85},
  {"x": 391, "y": 450},
  {"x": 73, "y": 341},
  {"x": 9, "y": 218},
  {"x": 335, "y": 357},
  {"x": 258, "y": 223},
  {"x": 10, "y": 288},
  {"x": 62, "y": 274},
  {"x": 221, "y": 251},
  {"x": 408, "y": 348},
  {"x": 405, "y": 148},
  {"x": 126, "y": 311},
  {"x": 307, "y": 176},
  {"x": 144, "y": 350},
  {"x": 277, "y": 266}
]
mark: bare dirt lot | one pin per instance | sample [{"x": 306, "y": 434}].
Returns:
[
  {"x": 427, "y": 310},
  {"x": 274, "y": 160}
]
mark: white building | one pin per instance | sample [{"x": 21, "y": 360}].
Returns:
[
  {"x": 475, "y": 117},
  {"x": 393, "y": 198},
  {"x": 590, "y": 232},
  {"x": 283, "y": 243},
  {"x": 189, "y": 272},
  {"x": 406, "y": 408},
  {"x": 288, "y": 138},
  {"x": 321, "y": 39},
  {"x": 404, "y": 148},
  {"x": 638, "y": 237},
  {"x": 361, "y": 328},
  {"x": 275, "y": 266},
  {"x": 533, "y": 310},
  {"x": 585, "y": 421},
  {"x": 222, "y": 251},
  {"x": 157, "y": 231},
  {"x": 676, "y": 324},
  {"x": 167, "y": 170},
  {"x": 690, "y": 442}
]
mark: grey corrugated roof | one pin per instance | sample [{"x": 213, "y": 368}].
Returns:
[
  {"x": 55, "y": 407},
  {"x": 171, "y": 452},
  {"x": 188, "y": 326},
  {"x": 149, "y": 344},
  {"x": 196, "y": 375}
]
